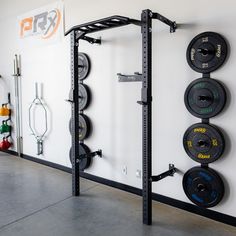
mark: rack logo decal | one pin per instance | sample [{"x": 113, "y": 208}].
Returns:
[
  {"x": 42, "y": 24},
  {"x": 45, "y": 24}
]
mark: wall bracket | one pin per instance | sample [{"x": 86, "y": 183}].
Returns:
[
  {"x": 91, "y": 155},
  {"x": 172, "y": 170},
  {"x": 172, "y": 24}
]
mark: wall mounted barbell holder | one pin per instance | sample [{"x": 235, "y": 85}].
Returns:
[{"x": 136, "y": 77}]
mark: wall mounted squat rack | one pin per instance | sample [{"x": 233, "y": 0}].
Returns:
[{"x": 80, "y": 32}]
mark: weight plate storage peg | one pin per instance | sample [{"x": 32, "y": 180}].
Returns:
[
  {"x": 204, "y": 143},
  {"x": 84, "y": 162},
  {"x": 205, "y": 98},
  {"x": 84, "y": 96},
  {"x": 84, "y": 66},
  {"x": 206, "y": 52},
  {"x": 203, "y": 186}
]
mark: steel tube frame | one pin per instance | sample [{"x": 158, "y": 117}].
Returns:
[
  {"x": 147, "y": 114},
  {"x": 75, "y": 113},
  {"x": 146, "y": 102}
]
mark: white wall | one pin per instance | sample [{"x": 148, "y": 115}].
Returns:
[{"x": 115, "y": 115}]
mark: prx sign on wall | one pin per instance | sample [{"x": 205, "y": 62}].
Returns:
[{"x": 42, "y": 25}]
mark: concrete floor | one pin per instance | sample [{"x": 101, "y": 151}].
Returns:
[{"x": 36, "y": 201}]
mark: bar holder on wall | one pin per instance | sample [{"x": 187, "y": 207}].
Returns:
[
  {"x": 136, "y": 77},
  {"x": 78, "y": 33}
]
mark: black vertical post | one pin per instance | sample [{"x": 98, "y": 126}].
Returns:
[
  {"x": 146, "y": 19},
  {"x": 75, "y": 114}
]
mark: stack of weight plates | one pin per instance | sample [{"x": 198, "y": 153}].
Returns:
[
  {"x": 84, "y": 121},
  {"x": 205, "y": 98}
]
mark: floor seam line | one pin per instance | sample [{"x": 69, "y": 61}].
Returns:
[
  {"x": 44, "y": 208},
  {"x": 35, "y": 212}
]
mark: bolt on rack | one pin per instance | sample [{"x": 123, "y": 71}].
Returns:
[{"x": 79, "y": 32}]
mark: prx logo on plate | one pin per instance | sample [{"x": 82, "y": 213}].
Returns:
[{"x": 44, "y": 24}]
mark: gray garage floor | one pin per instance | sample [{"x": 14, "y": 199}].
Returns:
[{"x": 36, "y": 201}]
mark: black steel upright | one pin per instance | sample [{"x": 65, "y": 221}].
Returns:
[
  {"x": 78, "y": 33},
  {"x": 75, "y": 113},
  {"x": 147, "y": 114}
]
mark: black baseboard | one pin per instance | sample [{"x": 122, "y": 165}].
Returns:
[
  {"x": 46, "y": 163},
  {"x": 214, "y": 215},
  {"x": 14, "y": 153},
  {"x": 40, "y": 161}
]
